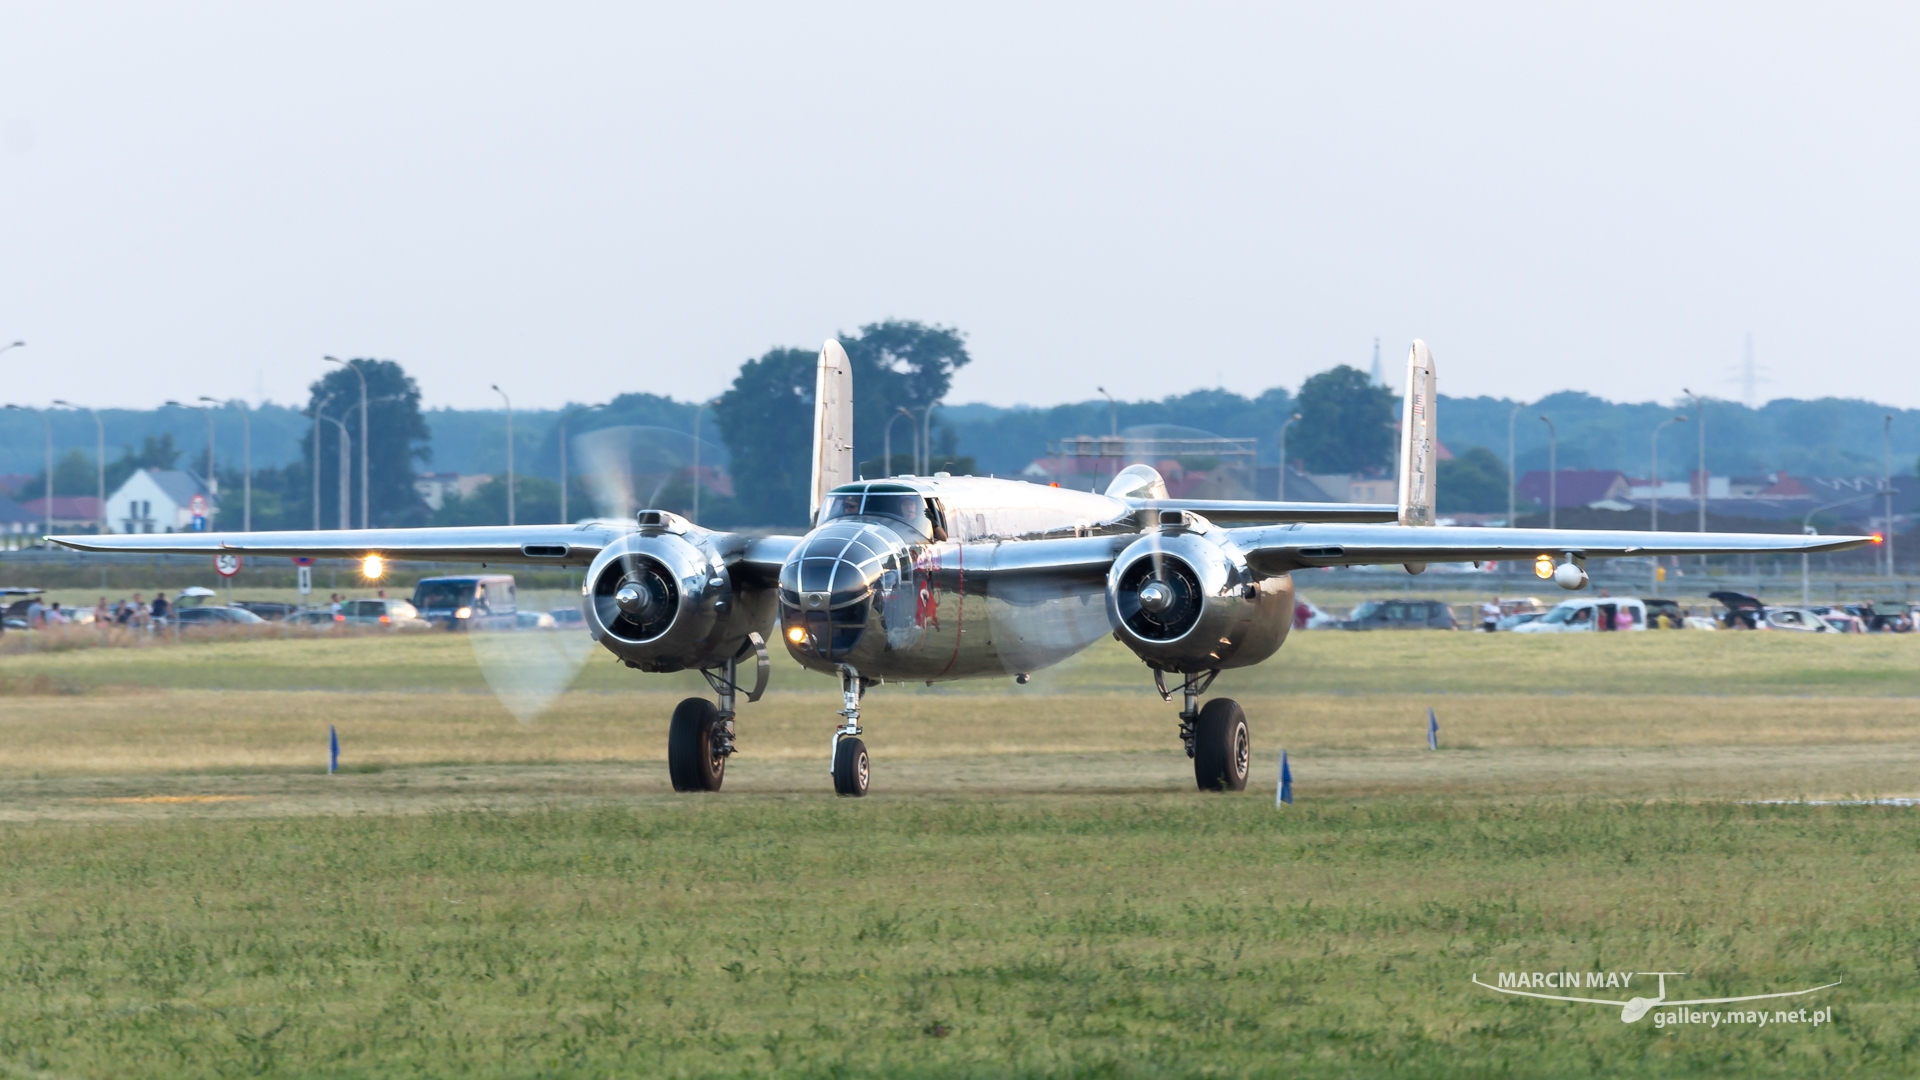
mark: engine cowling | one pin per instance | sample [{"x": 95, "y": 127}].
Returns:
[
  {"x": 1183, "y": 599},
  {"x": 664, "y": 600}
]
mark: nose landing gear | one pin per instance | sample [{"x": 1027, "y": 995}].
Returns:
[
  {"x": 1215, "y": 735},
  {"x": 850, "y": 765}
]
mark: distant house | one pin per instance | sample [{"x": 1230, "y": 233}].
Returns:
[
  {"x": 17, "y": 525},
  {"x": 1577, "y": 487},
  {"x": 158, "y": 500},
  {"x": 434, "y": 487},
  {"x": 71, "y": 513}
]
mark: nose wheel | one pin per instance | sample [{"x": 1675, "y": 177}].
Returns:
[
  {"x": 851, "y": 768},
  {"x": 1215, "y": 734}
]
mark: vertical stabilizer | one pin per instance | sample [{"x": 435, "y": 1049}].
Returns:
[
  {"x": 832, "y": 424},
  {"x": 1419, "y": 437}
]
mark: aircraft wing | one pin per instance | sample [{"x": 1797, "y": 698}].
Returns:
[
  {"x": 1280, "y": 549},
  {"x": 562, "y": 545},
  {"x": 1254, "y": 512}
]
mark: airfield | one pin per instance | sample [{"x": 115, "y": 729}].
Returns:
[{"x": 1033, "y": 887}]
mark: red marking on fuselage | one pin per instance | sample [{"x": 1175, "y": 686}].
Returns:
[{"x": 959, "y": 604}]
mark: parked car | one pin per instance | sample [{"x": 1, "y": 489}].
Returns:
[
  {"x": 535, "y": 620},
  {"x": 1518, "y": 619},
  {"x": 393, "y": 614},
  {"x": 1743, "y": 612},
  {"x": 1400, "y": 615},
  {"x": 215, "y": 616},
  {"x": 568, "y": 618},
  {"x": 486, "y": 601},
  {"x": 1595, "y": 613},
  {"x": 316, "y": 617},
  {"x": 270, "y": 610},
  {"x": 1658, "y": 606},
  {"x": 1798, "y": 619}
]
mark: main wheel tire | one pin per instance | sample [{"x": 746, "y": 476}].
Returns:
[
  {"x": 850, "y": 768},
  {"x": 691, "y": 760},
  {"x": 1222, "y": 750}
]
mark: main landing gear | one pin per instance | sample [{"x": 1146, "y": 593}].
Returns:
[
  {"x": 1215, "y": 734},
  {"x": 700, "y": 739},
  {"x": 850, "y": 765}
]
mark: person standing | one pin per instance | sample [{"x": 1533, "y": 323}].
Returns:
[
  {"x": 1490, "y": 615},
  {"x": 161, "y": 609}
]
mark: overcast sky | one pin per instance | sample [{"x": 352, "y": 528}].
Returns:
[{"x": 575, "y": 201}]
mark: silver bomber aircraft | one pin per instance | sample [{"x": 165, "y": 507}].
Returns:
[{"x": 929, "y": 578}]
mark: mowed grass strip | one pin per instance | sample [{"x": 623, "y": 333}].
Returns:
[
  {"x": 1088, "y": 937},
  {"x": 229, "y": 730},
  {"x": 1333, "y": 662}
]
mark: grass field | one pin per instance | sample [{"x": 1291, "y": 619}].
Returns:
[{"x": 1033, "y": 888}]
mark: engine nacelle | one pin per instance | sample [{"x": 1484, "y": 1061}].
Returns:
[
  {"x": 1183, "y": 600},
  {"x": 663, "y": 599}
]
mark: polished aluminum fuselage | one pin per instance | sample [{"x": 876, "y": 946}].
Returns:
[{"x": 898, "y": 600}]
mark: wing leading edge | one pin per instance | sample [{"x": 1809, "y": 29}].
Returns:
[
  {"x": 565, "y": 545},
  {"x": 1284, "y": 548}
]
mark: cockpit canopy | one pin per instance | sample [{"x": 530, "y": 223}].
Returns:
[{"x": 895, "y": 503}]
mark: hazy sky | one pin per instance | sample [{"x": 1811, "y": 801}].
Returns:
[{"x": 575, "y": 201}]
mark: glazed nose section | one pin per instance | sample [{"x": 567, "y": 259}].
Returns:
[{"x": 826, "y": 588}]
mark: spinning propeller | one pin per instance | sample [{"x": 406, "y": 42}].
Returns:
[{"x": 623, "y": 469}]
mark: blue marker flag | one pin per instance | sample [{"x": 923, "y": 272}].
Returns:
[
  {"x": 333, "y": 750},
  {"x": 1433, "y": 730},
  {"x": 1285, "y": 794}
]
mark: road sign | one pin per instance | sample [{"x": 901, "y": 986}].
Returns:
[
  {"x": 226, "y": 564},
  {"x": 306, "y": 579},
  {"x": 197, "y": 506},
  {"x": 303, "y": 560}
]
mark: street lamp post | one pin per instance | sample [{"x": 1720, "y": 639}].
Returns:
[
  {"x": 564, "y": 417},
  {"x": 246, "y": 460},
  {"x": 319, "y": 414},
  {"x": 99, "y": 460},
  {"x": 46, "y": 518},
  {"x": 213, "y": 482},
  {"x": 1283, "y": 455},
  {"x": 1511, "y": 417},
  {"x": 1806, "y": 526},
  {"x": 886, "y": 439},
  {"x": 926, "y": 438},
  {"x": 1113, "y": 412},
  {"x": 1553, "y": 474},
  {"x": 1653, "y": 491},
  {"x": 509, "y": 401},
  {"x": 1700, "y": 410},
  {"x": 365, "y": 442},
  {"x": 1886, "y": 436},
  {"x": 697, "y": 410},
  {"x": 346, "y": 473}
]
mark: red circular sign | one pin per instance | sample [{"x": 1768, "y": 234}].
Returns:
[{"x": 226, "y": 564}]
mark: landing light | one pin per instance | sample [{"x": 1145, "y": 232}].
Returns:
[
  {"x": 797, "y": 634},
  {"x": 1878, "y": 539},
  {"x": 1543, "y": 566},
  {"x": 372, "y": 567}
]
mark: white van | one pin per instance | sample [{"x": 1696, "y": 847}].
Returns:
[{"x": 1597, "y": 613}]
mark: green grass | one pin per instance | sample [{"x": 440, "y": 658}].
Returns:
[
  {"x": 1671, "y": 662},
  {"x": 1076, "y": 937},
  {"x": 585, "y": 923}
]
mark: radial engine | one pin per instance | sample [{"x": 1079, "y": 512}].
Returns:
[
  {"x": 1182, "y": 598},
  {"x": 663, "y": 599}
]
